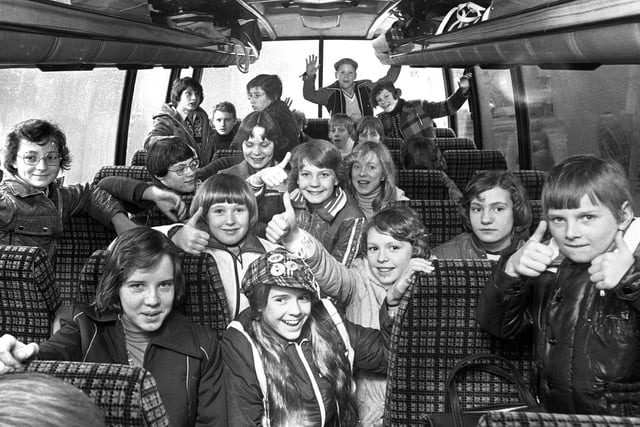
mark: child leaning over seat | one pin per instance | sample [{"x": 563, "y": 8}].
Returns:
[{"x": 580, "y": 292}]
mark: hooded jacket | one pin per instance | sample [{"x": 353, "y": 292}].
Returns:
[
  {"x": 184, "y": 359},
  {"x": 587, "y": 342}
]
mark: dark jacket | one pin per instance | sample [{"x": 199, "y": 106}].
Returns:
[
  {"x": 168, "y": 123},
  {"x": 416, "y": 117},
  {"x": 587, "y": 343},
  {"x": 184, "y": 359},
  {"x": 338, "y": 223},
  {"x": 32, "y": 217},
  {"x": 467, "y": 246},
  {"x": 281, "y": 114},
  {"x": 245, "y": 396}
]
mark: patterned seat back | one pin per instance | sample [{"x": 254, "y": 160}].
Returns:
[
  {"x": 317, "y": 128},
  {"x": 154, "y": 217},
  {"x": 126, "y": 395},
  {"x": 423, "y": 184},
  {"x": 462, "y": 164},
  {"x": 455, "y": 144},
  {"x": 81, "y": 237},
  {"x": 395, "y": 155},
  {"x": 444, "y": 133},
  {"x": 28, "y": 295},
  {"x": 515, "y": 418},
  {"x": 204, "y": 303},
  {"x": 135, "y": 172},
  {"x": 226, "y": 152},
  {"x": 393, "y": 143},
  {"x": 433, "y": 330},
  {"x": 139, "y": 158},
  {"x": 440, "y": 217},
  {"x": 532, "y": 181}
]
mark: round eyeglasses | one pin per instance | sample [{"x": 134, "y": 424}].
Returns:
[
  {"x": 182, "y": 169},
  {"x": 31, "y": 158}
]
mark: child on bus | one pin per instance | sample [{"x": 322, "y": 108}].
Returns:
[
  {"x": 33, "y": 205},
  {"x": 496, "y": 216},
  {"x": 264, "y": 92},
  {"x": 322, "y": 207},
  {"x": 341, "y": 131},
  {"x": 224, "y": 214},
  {"x": 410, "y": 119},
  {"x": 373, "y": 177},
  {"x": 370, "y": 128},
  {"x": 225, "y": 125},
  {"x": 289, "y": 358},
  {"x": 134, "y": 321},
  {"x": 396, "y": 248},
  {"x": 183, "y": 117},
  {"x": 580, "y": 292}
]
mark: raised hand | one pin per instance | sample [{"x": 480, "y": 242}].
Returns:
[
  {"x": 607, "y": 269},
  {"x": 312, "y": 65},
  {"x": 465, "y": 82},
  {"x": 533, "y": 258},
  {"x": 190, "y": 238},
  {"x": 13, "y": 353},
  {"x": 283, "y": 227},
  {"x": 395, "y": 293},
  {"x": 288, "y": 101}
]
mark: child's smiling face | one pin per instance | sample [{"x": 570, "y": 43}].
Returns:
[
  {"x": 586, "y": 232},
  {"x": 316, "y": 184}
]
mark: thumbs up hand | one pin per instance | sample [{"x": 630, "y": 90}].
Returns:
[
  {"x": 607, "y": 269},
  {"x": 190, "y": 238},
  {"x": 533, "y": 258},
  {"x": 283, "y": 227},
  {"x": 272, "y": 176}
]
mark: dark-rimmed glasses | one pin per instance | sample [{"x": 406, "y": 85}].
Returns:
[
  {"x": 31, "y": 158},
  {"x": 182, "y": 169}
]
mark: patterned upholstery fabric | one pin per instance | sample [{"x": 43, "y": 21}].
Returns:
[
  {"x": 393, "y": 143},
  {"x": 395, "y": 155},
  {"x": 317, "y": 128},
  {"x": 423, "y": 184},
  {"x": 139, "y": 158},
  {"x": 461, "y": 164},
  {"x": 542, "y": 419},
  {"x": 433, "y": 330},
  {"x": 444, "y": 133},
  {"x": 153, "y": 217},
  {"x": 28, "y": 295},
  {"x": 136, "y": 172},
  {"x": 205, "y": 302},
  {"x": 532, "y": 181},
  {"x": 455, "y": 144},
  {"x": 440, "y": 217},
  {"x": 127, "y": 395},
  {"x": 226, "y": 152},
  {"x": 82, "y": 236}
]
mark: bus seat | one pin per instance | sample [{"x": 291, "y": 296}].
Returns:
[
  {"x": 136, "y": 172},
  {"x": 393, "y": 143},
  {"x": 433, "y": 330},
  {"x": 153, "y": 217},
  {"x": 395, "y": 155},
  {"x": 532, "y": 181},
  {"x": 455, "y": 144},
  {"x": 440, "y": 217},
  {"x": 126, "y": 395},
  {"x": 28, "y": 295},
  {"x": 462, "y": 164},
  {"x": 444, "y": 132},
  {"x": 426, "y": 184},
  {"x": 139, "y": 158},
  {"x": 204, "y": 302},
  {"x": 226, "y": 152},
  {"x": 81, "y": 237},
  {"x": 517, "y": 418},
  {"x": 317, "y": 128}
]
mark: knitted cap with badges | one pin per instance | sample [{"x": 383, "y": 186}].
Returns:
[{"x": 280, "y": 268}]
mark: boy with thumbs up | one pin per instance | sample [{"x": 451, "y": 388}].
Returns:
[{"x": 580, "y": 291}]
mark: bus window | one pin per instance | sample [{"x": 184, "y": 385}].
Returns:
[
  {"x": 284, "y": 58},
  {"x": 84, "y": 103},
  {"x": 497, "y": 113},
  {"x": 148, "y": 97}
]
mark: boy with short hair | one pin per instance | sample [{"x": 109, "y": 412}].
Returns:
[
  {"x": 225, "y": 124},
  {"x": 580, "y": 292},
  {"x": 341, "y": 130}
]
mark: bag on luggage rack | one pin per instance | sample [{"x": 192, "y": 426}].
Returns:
[{"x": 455, "y": 416}]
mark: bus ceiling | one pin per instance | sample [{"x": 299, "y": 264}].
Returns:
[{"x": 63, "y": 34}]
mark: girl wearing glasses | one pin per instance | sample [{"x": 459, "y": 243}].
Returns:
[{"x": 33, "y": 206}]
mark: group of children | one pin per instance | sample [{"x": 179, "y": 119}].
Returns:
[{"x": 294, "y": 223}]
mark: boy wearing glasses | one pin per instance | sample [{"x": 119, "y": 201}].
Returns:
[{"x": 33, "y": 206}]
